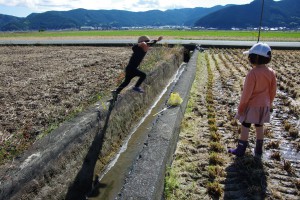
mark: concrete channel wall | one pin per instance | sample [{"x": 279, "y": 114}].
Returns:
[
  {"x": 146, "y": 179},
  {"x": 62, "y": 164}
]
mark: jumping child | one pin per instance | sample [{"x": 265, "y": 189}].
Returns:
[
  {"x": 257, "y": 98},
  {"x": 139, "y": 51}
]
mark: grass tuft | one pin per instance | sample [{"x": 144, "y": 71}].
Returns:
[
  {"x": 297, "y": 183},
  {"x": 215, "y": 159},
  {"x": 171, "y": 182},
  {"x": 294, "y": 132},
  {"x": 276, "y": 155},
  {"x": 287, "y": 166},
  {"x": 215, "y": 171},
  {"x": 273, "y": 145},
  {"x": 215, "y": 136},
  {"x": 216, "y": 147},
  {"x": 214, "y": 189}
]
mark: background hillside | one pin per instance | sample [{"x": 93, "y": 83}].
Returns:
[
  {"x": 103, "y": 18},
  {"x": 283, "y": 13}
]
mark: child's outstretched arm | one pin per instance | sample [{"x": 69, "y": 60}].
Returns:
[{"x": 152, "y": 42}]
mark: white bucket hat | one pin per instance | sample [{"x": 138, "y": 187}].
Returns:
[{"x": 261, "y": 49}]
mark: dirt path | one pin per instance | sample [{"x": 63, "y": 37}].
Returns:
[{"x": 202, "y": 168}]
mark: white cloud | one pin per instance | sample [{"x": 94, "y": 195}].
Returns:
[
  {"x": 19, "y": 3},
  {"x": 131, "y": 5}
]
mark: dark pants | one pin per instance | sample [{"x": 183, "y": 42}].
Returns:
[{"x": 130, "y": 74}]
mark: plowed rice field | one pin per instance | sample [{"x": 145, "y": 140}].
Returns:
[{"x": 42, "y": 86}]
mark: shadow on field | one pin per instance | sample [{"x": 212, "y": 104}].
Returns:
[
  {"x": 246, "y": 179},
  {"x": 84, "y": 183}
]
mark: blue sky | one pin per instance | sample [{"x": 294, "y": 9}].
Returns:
[{"x": 22, "y": 8}]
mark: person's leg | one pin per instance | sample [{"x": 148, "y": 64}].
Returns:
[
  {"x": 259, "y": 139},
  {"x": 243, "y": 141},
  {"x": 259, "y": 131},
  {"x": 142, "y": 76},
  {"x": 245, "y": 131},
  {"x": 128, "y": 77}
]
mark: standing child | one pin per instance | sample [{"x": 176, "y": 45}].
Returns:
[
  {"x": 139, "y": 51},
  {"x": 257, "y": 97}
]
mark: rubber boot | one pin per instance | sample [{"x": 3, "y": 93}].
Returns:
[
  {"x": 259, "y": 148},
  {"x": 240, "y": 150}
]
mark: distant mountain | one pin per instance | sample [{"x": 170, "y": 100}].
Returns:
[
  {"x": 104, "y": 18},
  {"x": 10, "y": 22},
  {"x": 284, "y": 13}
]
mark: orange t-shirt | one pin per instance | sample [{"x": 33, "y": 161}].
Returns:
[{"x": 259, "y": 88}]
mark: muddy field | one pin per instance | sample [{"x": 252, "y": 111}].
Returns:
[
  {"x": 42, "y": 86},
  {"x": 202, "y": 168}
]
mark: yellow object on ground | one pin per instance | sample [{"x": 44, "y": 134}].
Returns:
[{"x": 174, "y": 99}]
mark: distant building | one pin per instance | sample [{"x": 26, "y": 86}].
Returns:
[{"x": 87, "y": 28}]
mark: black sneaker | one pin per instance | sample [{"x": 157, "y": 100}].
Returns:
[{"x": 138, "y": 89}]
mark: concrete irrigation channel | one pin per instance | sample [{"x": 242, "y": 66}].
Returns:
[
  {"x": 145, "y": 177},
  {"x": 65, "y": 163}
]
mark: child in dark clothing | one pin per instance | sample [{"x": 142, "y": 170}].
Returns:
[{"x": 139, "y": 51}]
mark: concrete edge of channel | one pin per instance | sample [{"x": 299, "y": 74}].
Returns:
[
  {"x": 146, "y": 178},
  {"x": 64, "y": 161},
  {"x": 46, "y": 158}
]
